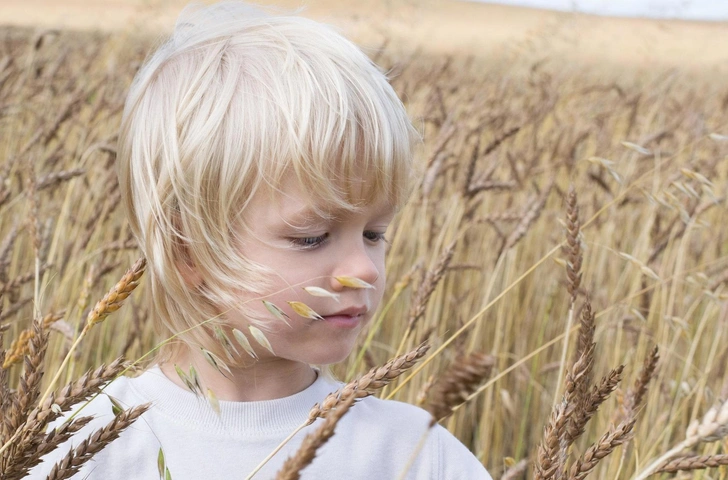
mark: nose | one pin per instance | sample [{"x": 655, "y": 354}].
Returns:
[{"x": 359, "y": 262}]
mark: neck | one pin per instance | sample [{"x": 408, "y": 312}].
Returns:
[{"x": 264, "y": 380}]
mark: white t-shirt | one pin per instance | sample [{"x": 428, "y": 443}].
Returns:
[{"x": 374, "y": 440}]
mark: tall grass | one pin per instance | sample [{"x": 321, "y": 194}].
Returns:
[{"x": 477, "y": 261}]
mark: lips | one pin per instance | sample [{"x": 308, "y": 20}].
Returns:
[
  {"x": 349, "y": 312},
  {"x": 348, "y": 318}
]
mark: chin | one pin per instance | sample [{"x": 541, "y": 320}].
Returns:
[{"x": 330, "y": 355}]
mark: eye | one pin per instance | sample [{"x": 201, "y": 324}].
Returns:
[
  {"x": 309, "y": 243},
  {"x": 374, "y": 236}
]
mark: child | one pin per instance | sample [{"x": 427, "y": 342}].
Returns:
[{"x": 260, "y": 154}]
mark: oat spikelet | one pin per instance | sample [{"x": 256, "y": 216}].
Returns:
[
  {"x": 694, "y": 463},
  {"x": 292, "y": 467},
  {"x": 116, "y": 296},
  {"x": 575, "y": 254},
  {"x": 366, "y": 385},
  {"x": 603, "y": 447},
  {"x": 460, "y": 380},
  {"x": 74, "y": 460}
]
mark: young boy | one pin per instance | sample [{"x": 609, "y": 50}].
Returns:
[{"x": 260, "y": 154}]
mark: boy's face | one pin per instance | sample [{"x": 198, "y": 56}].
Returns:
[{"x": 303, "y": 250}]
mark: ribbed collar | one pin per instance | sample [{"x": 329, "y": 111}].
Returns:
[{"x": 236, "y": 418}]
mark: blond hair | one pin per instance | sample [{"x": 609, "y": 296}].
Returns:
[{"x": 235, "y": 100}]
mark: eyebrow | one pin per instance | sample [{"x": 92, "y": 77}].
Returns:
[
  {"x": 308, "y": 216},
  {"x": 305, "y": 217}
]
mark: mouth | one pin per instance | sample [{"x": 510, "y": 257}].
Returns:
[{"x": 347, "y": 318}]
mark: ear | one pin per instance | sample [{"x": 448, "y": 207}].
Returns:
[
  {"x": 189, "y": 273},
  {"x": 183, "y": 261}
]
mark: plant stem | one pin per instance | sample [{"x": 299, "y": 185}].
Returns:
[
  {"x": 276, "y": 450},
  {"x": 652, "y": 468}
]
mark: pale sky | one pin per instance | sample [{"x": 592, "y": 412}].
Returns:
[{"x": 683, "y": 9}]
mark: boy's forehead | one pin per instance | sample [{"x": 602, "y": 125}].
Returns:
[
  {"x": 302, "y": 212},
  {"x": 297, "y": 206}
]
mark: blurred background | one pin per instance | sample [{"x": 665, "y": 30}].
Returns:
[{"x": 643, "y": 33}]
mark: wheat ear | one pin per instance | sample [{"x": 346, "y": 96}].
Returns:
[
  {"x": 24, "y": 461},
  {"x": 366, "y": 385},
  {"x": 603, "y": 447},
  {"x": 457, "y": 383},
  {"x": 424, "y": 291},
  {"x": 30, "y": 434},
  {"x": 453, "y": 389},
  {"x": 712, "y": 427},
  {"x": 292, "y": 467},
  {"x": 637, "y": 394},
  {"x": 548, "y": 458},
  {"x": 362, "y": 387},
  {"x": 591, "y": 404},
  {"x": 573, "y": 271},
  {"x": 74, "y": 460},
  {"x": 29, "y": 388},
  {"x": 111, "y": 302},
  {"x": 694, "y": 463}
]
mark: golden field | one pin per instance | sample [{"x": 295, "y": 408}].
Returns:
[{"x": 478, "y": 259}]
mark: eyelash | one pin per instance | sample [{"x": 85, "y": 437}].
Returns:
[{"x": 310, "y": 243}]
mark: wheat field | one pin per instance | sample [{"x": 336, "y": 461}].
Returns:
[{"x": 546, "y": 193}]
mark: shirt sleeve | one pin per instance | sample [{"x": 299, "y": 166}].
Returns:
[{"x": 454, "y": 460}]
